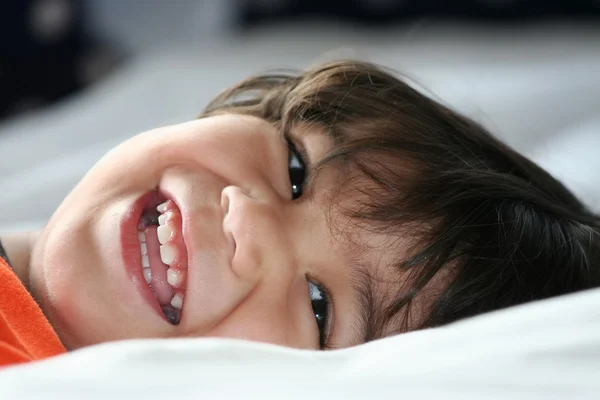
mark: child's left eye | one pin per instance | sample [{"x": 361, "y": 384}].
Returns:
[
  {"x": 319, "y": 300},
  {"x": 296, "y": 168}
]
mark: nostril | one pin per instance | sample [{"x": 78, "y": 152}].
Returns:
[
  {"x": 232, "y": 246},
  {"x": 224, "y": 203}
]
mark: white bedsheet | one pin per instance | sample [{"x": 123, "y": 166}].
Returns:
[{"x": 546, "y": 350}]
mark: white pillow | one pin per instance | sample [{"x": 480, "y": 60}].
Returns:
[{"x": 544, "y": 350}]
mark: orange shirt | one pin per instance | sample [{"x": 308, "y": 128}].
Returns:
[{"x": 25, "y": 333}]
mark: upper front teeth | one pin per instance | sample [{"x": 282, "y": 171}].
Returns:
[
  {"x": 162, "y": 219},
  {"x": 161, "y": 208},
  {"x": 165, "y": 232},
  {"x": 168, "y": 253},
  {"x": 175, "y": 278},
  {"x": 177, "y": 301},
  {"x": 170, "y": 238}
]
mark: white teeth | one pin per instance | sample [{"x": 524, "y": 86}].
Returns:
[
  {"x": 147, "y": 275},
  {"x": 168, "y": 253},
  {"x": 177, "y": 301},
  {"x": 164, "y": 233},
  {"x": 175, "y": 278},
  {"x": 161, "y": 208},
  {"x": 162, "y": 219}
]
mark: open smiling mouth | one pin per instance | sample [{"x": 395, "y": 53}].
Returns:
[{"x": 164, "y": 255}]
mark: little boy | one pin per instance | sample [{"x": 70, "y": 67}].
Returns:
[{"x": 320, "y": 210}]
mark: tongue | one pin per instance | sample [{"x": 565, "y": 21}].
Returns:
[{"x": 163, "y": 291}]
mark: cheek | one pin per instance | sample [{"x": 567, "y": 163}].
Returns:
[
  {"x": 61, "y": 275},
  {"x": 270, "y": 315},
  {"x": 248, "y": 328},
  {"x": 59, "y": 249}
]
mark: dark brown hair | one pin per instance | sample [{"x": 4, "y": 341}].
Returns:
[{"x": 510, "y": 231}]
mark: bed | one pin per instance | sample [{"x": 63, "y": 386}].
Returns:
[{"x": 540, "y": 93}]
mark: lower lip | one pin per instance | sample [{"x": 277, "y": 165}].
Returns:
[{"x": 131, "y": 252}]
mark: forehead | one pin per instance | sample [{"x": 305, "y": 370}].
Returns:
[
  {"x": 375, "y": 271},
  {"x": 370, "y": 265}
]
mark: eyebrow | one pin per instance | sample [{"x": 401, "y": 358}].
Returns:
[{"x": 364, "y": 297}]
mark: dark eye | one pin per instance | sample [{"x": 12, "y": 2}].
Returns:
[
  {"x": 320, "y": 305},
  {"x": 297, "y": 170}
]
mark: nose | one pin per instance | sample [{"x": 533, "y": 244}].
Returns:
[
  {"x": 276, "y": 308},
  {"x": 254, "y": 229}
]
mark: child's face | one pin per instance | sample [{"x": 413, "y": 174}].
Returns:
[{"x": 241, "y": 250}]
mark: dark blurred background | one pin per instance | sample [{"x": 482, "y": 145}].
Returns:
[{"x": 50, "y": 49}]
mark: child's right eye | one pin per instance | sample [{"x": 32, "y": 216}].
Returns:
[{"x": 297, "y": 169}]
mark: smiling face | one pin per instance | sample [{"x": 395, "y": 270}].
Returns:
[
  {"x": 209, "y": 228},
  {"x": 211, "y": 214}
]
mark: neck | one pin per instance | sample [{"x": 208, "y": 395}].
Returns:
[{"x": 18, "y": 247}]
